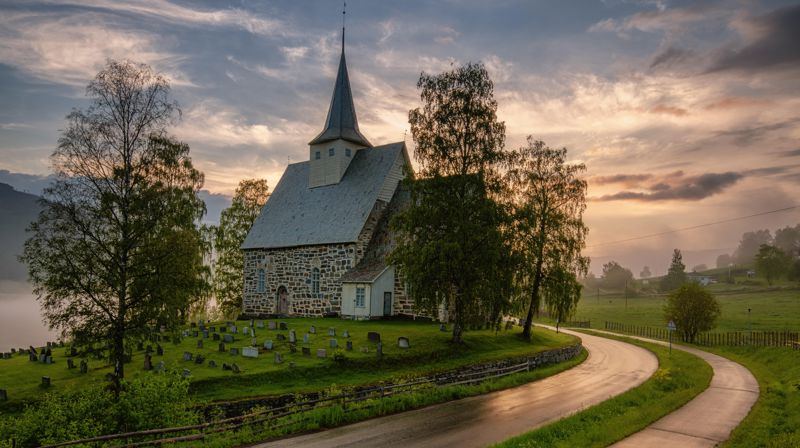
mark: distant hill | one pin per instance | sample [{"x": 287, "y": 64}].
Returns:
[{"x": 17, "y": 211}]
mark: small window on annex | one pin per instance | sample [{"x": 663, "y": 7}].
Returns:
[
  {"x": 262, "y": 280},
  {"x": 360, "y": 297},
  {"x": 315, "y": 281},
  {"x": 347, "y": 152},
  {"x": 331, "y": 151},
  {"x": 317, "y": 155}
]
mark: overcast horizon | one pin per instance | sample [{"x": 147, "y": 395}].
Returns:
[{"x": 685, "y": 113}]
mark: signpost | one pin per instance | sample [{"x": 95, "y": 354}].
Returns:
[{"x": 671, "y": 327}]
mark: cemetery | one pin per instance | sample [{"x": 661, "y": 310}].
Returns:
[{"x": 270, "y": 357}]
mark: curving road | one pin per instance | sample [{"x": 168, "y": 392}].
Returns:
[
  {"x": 709, "y": 418},
  {"x": 611, "y": 368}
]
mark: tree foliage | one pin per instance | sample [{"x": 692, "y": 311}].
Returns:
[
  {"x": 787, "y": 239},
  {"x": 562, "y": 291},
  {"x": 724, "y": 260},
  {"x": 749, "y": 244},
  {"x": 115, "y": 249},
  {"x": 645, "y": 272},
  {"x": 676, "y": 274},
  {"x": 693, "y": 309},
  {"x": 549, "y": 199},
  {"x": 235, "y": 221},
  {"x": 772, "y": 263},
  {"x": 616, "y": 277},
  {"x": 451, "y": 240}
]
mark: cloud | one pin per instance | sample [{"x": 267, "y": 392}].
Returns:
[
  {"x": 669, "y": 110},
  {"x": 772, "y": 42},
  {"x": 671, "y": 56},
  {"x": 791, "y": 153},
  {"x": 662, "y": 19},
  {"x": 630, "y": 180},
  {"x": 747, "y": 136},
  {"x": 683, "y": 188}
]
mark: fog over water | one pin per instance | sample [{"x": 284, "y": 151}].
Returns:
[{"x": 20, "y": 321}]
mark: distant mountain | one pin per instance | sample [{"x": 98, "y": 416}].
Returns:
[{"x": 17, "y": 211}]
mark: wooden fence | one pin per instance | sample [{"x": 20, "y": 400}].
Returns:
[{"x": 729, "y": 338}]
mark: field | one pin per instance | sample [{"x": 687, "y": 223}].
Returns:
[
  {"x": 770, "y": 309},
  {"x": 429, "y": 350}
]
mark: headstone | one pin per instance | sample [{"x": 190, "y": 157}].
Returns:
[
  {"x": 228, "y": 338},
  {"x": 212, "y": 363},
  {"x": 334, "y": 343},
  {"x": 200, "y": 359},
  {"x": 233, "y": 329},
  {"x": 281, "y": 337},
  {"x": 260, "y": 325},
  {"x": 3, "y": 395},
  {"x": 306, "y": 351},
  {"x": 402, "y": 342},
  {"x": 306, "y": 338},
  {"x": 199, "y": 343},
  {"x": 292, "y": 337},
  {"x": 214, "y": 329},
  {"x": 194, "y": 325},
  {"x": 293, "y": 348},
  {"x": 195, "y": 334},
  {"x": 72, "y": 351},
  {"x": 379, "y": 349},
  {"x": 509, "y": 325},
  {"x": 331, "y": 331},
  {"x": 246, "y": 331},
  {"x": 48, "y": 359},
  {"x": 373, "y": 336},
  {"x": 278, "y": 358},
  {"x": 271, "y": 325},
  {"x": 148, "y": 362},
  {"x": 215, "y": 337},
  {"x": 234, "y": 351},
  {"x": 205, "y": 334},
  {"x": 160, "y": 367},
  {"x": 254, "y": 341},
  {"x": 187, "y": 356},
  {"x": 225, "y": 366},
  {"x": 13, "y": 350},
  {"x": 186, "y": 373},
  {"x": 322, "y": 353},
  {"x": 235, "y": 368},
  {"x": 84, "y": 367},
  {"x": 159, "y": 350},
  {"x": 70, "y": 363},
  {"x": 45, "y": 381},
  {"x": 346, "y": 334},
  {"x": 349, "y": 345},
  {"x": 250, "y": 352},
  {"x": 364, "y": 349},
  {"x": 42, "y": 357},
  {"x": 443, "y": 328},
  {"x": 312, "y": 330},
  {"x": 268, "y": 344},
  {"x": 283, "y": 326}
]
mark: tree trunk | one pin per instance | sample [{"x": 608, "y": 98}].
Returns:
[
  {"x": 537, "y": 279},
  {"x": 458, "y": 322}
]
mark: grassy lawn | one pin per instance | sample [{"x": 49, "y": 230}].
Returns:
[
  {"x": 776, "y": 309},
  {"x": 680, "y": 378},
  {"x": 774, "y": 420},
  {"x": 430, "y": 351}
]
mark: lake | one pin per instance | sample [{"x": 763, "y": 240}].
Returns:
[{"x": 20, "y": 322}]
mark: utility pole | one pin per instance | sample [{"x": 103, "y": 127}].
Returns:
[{"x": 626, "y": 295}]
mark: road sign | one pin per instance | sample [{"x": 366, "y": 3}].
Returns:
[{"x": 671, "y": 326}]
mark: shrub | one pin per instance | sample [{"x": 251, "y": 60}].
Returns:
[{"x": 693, "y": 309}]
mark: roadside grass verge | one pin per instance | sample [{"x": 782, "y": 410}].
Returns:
[
  {"x": 679, "y": 378},
  {"x": 774, "y": 420}
]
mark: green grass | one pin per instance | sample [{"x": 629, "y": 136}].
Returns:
[
  {"x": 679, "y": 378},
  {"x": 774, "y": 420},
  {"x": 430, "y": 351},
  {"x": 771, "y": 309}
]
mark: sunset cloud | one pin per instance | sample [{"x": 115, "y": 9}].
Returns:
[{"x": 683, "y": 188}]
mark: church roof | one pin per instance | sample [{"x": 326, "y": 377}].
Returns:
[
  {"x": 296, "y": 215},
  {"x": 341, "y": 122}
]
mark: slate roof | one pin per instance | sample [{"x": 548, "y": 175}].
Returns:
[
  {"x": 296, "y": 215},
  {"x": 341, "y": 122},
  {"x": 365, "y": 272}
]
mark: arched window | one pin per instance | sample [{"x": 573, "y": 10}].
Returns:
[
  {"x": 262, "y": 280},
  {"x": 315, "y": 281}
]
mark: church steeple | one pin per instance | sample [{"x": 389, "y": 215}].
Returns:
[{"x": 341, "y": 122}]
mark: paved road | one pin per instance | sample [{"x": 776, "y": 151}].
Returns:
[
  {"x": 611, "y": 368},
  {"x": 710, "y": 417}
]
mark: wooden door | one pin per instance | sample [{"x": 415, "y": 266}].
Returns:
[
  {"x": 387, "y": 304},
  {"x": 283, "y": 300}
]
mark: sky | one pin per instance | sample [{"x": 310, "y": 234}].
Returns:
[{"x": 685, "y": 113}]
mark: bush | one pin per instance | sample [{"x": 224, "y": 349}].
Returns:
[
  {"x": 146, "y": 402},
  {"x": 693, "y": 309}
]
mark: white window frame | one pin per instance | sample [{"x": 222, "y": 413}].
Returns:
[
  {"x": 360, "y": 295},
  {"x": 315, "y": 281},
  {"x": 262, "y": 281},
  {"x": 331, "y": 152},
  {"x": 317, "y": 155}
]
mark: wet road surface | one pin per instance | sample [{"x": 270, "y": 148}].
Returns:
[{"x": 611, "y": 368}]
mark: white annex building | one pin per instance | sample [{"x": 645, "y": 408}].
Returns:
[{"x": 320, "y": 244}]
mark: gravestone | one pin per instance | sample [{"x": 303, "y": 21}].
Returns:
[
  {"x": 226, "y": 366},
  {"x": 13, "y": 350},
  {"x": 200, "y": 359},
  {"x": 234, "y": 351},
  {"x": 205, "y": 334},
  {"x": 215, "y": 337},
  {"x": 187, "y": 356},
  {"x": 346, "y": 334},
  {"x": 212, "y": 363},
  {"x": 221, "y": 347},
  {"x": 72, "y": 351},
  {"x": 292, "y": 337},
  {"x": 334, "y": 343},
  {"x": 254, "y": 341},
  {"x": 3, "y": 395},
  {"x": 84, "y": 367},
  {"x": 250, "y": 352},
  {"x": 159, "y": 350},
  {"x": 228, "y": 338},
  {"x": 194, "y": 325},
  {"x": 148, "y": 362},
  {"x": 186, "y": 373},
  {"x": 70, "y": 363},
  {"x": 402, "y": 342},
  {"x": 246, "y": 331},
  {"x": 306, "y": 338},
  {"x": 42, "y": 357},
  {"x": 379, "y": 349},
  {"x": 278, "y": 358},
  {"x": 306, "y": 351},
  {"x": 509, "y": 325},
  {"x": 185, "y": 333},
  {"x": 349, "y": 345},
  {"x": 260, "y": 325},
  {"x": 199, "y": 343},
  {"x": 364, "y": 349},
  {"x": 235, "y": 368},
  {"x": 312, "y": 330},
  {"x": 160, "y": 367},
  {"x": 331, "y": 331},
  {"x": 293, "y": 348},
  {"x": 213, "y": 329},
  {"x": 233, "y": 329},
  {"x": 268, "y": 344},
  {"x": 443, "y": 328},
  {"x": 195, "y": 334},
  {"x": 272, "y": 325},
  {"x": 45, "y": 381},
  {"x": 281, "y": 337},
  {"x": 374, "y": 336},
  {"x": 322, "y": 353},
  {"x": 283, "y": 326},
  {"x": 48, "y": 359}
]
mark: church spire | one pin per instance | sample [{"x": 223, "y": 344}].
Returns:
[{"x": 341, "y": 122}]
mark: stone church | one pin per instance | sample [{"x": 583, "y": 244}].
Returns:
[{"x": 319, "y": 246}]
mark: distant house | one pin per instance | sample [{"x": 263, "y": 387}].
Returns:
[
  {"x": 319, "y": 246},
  {"x": 704, "y": 280}
]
